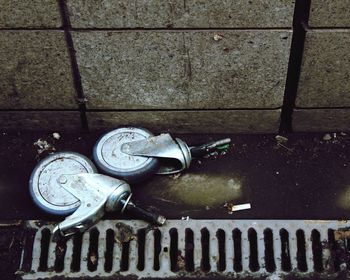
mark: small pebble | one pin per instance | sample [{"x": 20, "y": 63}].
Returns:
[
  {"x": 218, "y": 37},
  {"x": 56, "y": 135},
  {"x": 327, "y": 137}
]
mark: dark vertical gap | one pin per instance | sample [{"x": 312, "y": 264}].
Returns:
[
  {"x": 28, "y": 250},
  {"x": 253, "y": 250},
  {"x": 301, "y": 251},
  {"x": 174, "y": 254},
  {"x": 269, "y": 252},
  {"x": 92, "y": 257},
  {"x": 109, "y": 250},
  {"x": 157, "y": 249},
  {"x": 300, "y": 20},
  {"x": 286, "y": 264},
  {"x": 205, "y": 239},
  {"x": 124, "y": 261},
  {"x": 44, "y": 252},
  {"x": 237, "y": 250},
  {"x": 60, "y": 252},
  {"x": 333, "y": 247},
  {"x": 141, "y": 238},
  {"x": 75, "y": 68},
  {"x": 347, "y": 249},
  {"x": 77, "y": 243},
  {"x": 189, "y": 250},
  {"x": 317, "y": 250},
  {"x": 221, "y": 264}
]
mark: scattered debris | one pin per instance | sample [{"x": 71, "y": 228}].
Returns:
[
  {"x": 327, "y": 137},
  {"x": 218, "y": 37},
  {"x": 280, "y": 142},
  {"x": 175, "y": 176},
  {"x": 56, "y": 135},
  {"x": 281, "y": 139},
  {"x": 44, "y": 146},
  {"x": 239, "y": 207},
  {"x": 341, "y": 234},
  {"x": 180, "y": 261},
  {"x": 93, "y": 258},
  {"x": 124, "y": 233},
  {"x": 187, "y": 218}
]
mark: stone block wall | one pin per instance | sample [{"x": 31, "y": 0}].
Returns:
[
  {"x": 323, "y": 97},
  {"x": 189, "y": 66}
]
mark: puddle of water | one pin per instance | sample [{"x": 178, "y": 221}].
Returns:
[
  {"x": 199, "y": 189},
  {"x": 344, "y": 199}
]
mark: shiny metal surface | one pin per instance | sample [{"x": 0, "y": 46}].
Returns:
[
  {"x": 163, "y": 146},
  {"x": 108, "y": 153},
  {"x": 45, "y": 187},
  {"x": 96, "y": 193}
]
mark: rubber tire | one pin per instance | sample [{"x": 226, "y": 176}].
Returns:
[
  {"x": 43, "y": 207},
  {"x": 132, "y": 177}
]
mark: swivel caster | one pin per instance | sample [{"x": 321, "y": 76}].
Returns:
[
  {"x": 134, "y": 154},
  {"x": 67, "y": 183}
]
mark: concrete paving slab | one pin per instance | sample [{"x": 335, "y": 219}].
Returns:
[
  {"x": 324, "y": 79},
  {"x": 316, "y": 120},
  {"x": 180, "y": 14},
  {"x": 330, "y": 13},
  {"x": 35, "y": 71},
  {"x": 40, "y": 120},
  {"x": 183, "y": 70},
  {"x": 30, "y": 14},
  {"x": 218, "y": 121}
]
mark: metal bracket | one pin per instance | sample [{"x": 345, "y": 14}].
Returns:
[
  {"x": 97, "y": 193},
  {"x": 175, "y": 153}
]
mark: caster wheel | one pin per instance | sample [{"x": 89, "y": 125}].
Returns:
[
  {"x": 44, "y": 188},
  {"x": 110, "y": 159}
]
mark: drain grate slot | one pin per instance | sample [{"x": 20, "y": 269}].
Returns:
[
  {"x": 60, "y": 252},
  {"x": 269, "y": 251},
  {"x": 45, "y": 243},
  {"x": 108, "y": 266},
  {"x": 253, "y": 249},
  {"x": 76, "y": 256},
  {"x": 189, "y": 248},
  {"x": 285, "y": 251},
  {"x": 205, "y": 262},
  {"x": 317, "y": 250},
  {"x": 92, "y": 257},
  {"x": 237, "y": 248},
  {"x": 174, "y": 250},
  {"x": 221, "y": 264},
  {"x": 141, "y": 237},
  {"x": 157, "y": 249},
  {"x": 301, "y": 253}
]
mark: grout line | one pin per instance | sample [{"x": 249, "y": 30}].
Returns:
[
  {"x": 323, "y": 108},
  {"x": 147, "y": 110},
  {"x": 183, "y": 110},
  {"x": 300, "y": 19},
  {"x": 39, "y": 110},
  {"x": 31, "y": 29},
  {"x": 184, "y": 29},
  {"x": 75, "y": 68}
]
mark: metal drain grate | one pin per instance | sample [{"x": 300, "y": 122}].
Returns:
[{"x": 189, "y": 248}]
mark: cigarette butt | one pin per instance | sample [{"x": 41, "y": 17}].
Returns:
[{"x": 240, "y": 207}]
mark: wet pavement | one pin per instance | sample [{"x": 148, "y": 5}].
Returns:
[{"x": 306, "y": 177}]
